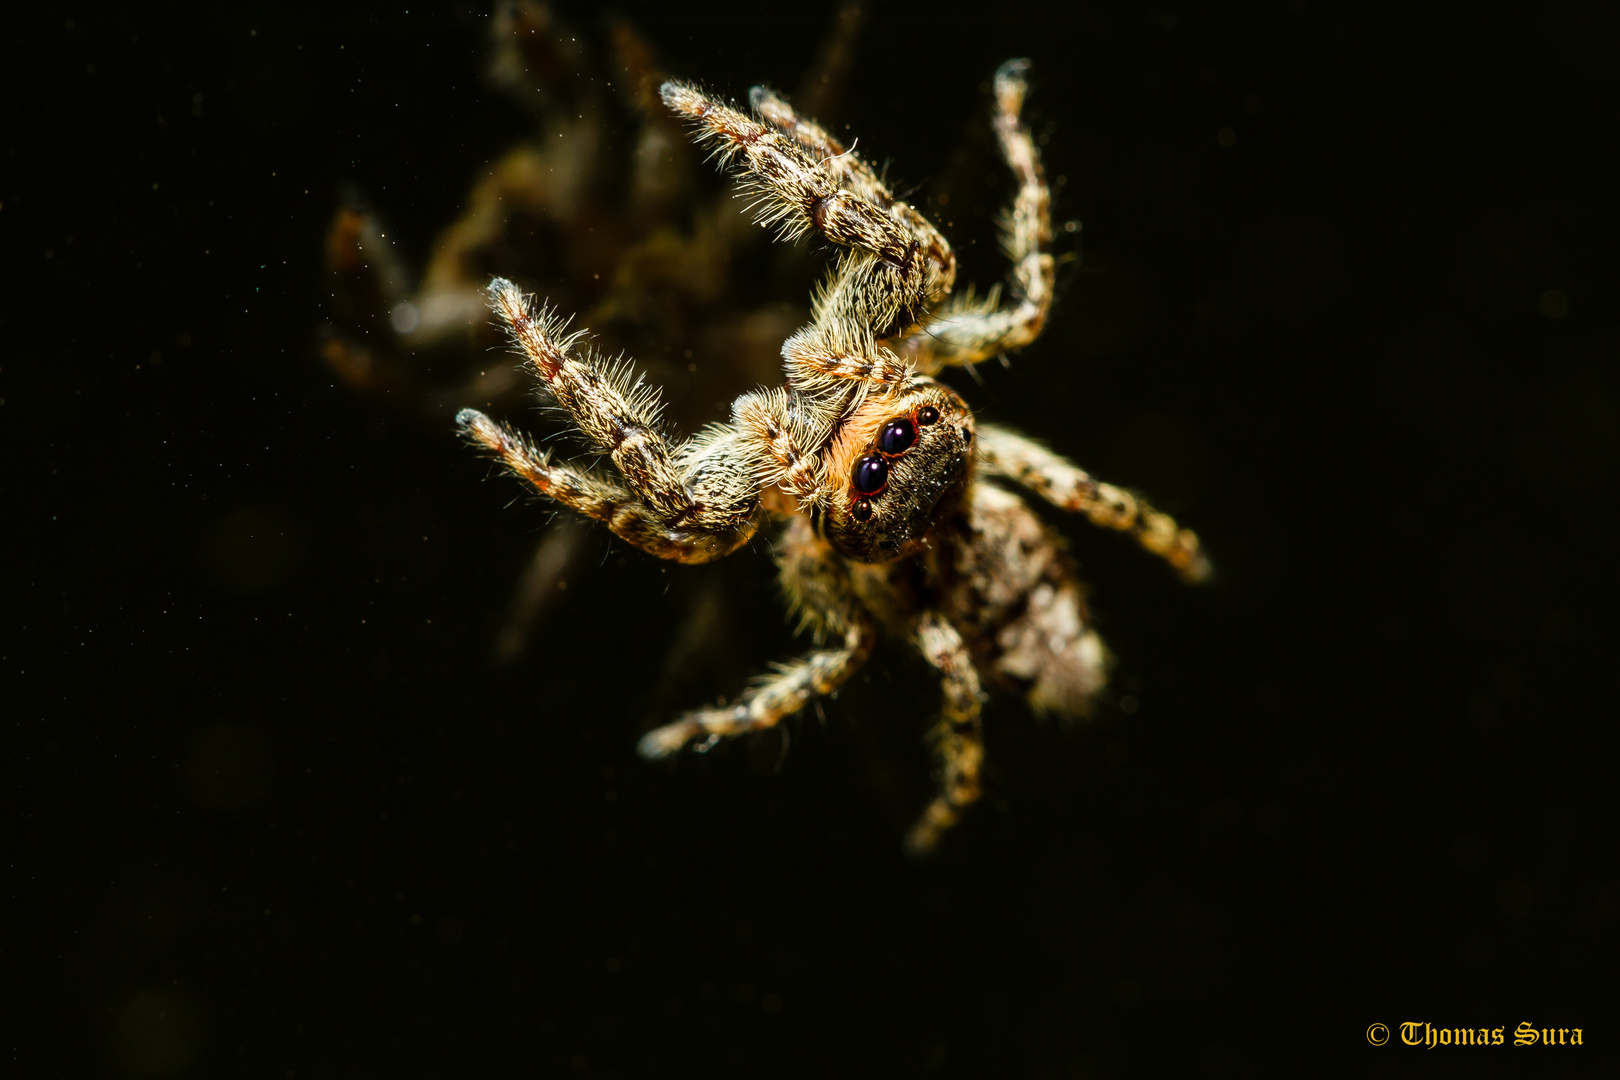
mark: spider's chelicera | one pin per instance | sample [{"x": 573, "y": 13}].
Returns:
[{"x": 899, "y": 509}]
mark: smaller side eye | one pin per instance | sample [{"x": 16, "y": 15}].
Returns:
[
  {"x": 871, "y": 473},
  {"x": 896, "y": 437},
  {"x": 927, "y": 415},
  {"x": 861, "y": 511}
]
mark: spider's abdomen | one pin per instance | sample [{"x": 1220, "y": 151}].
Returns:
[{"x": 1003, "y": 579}]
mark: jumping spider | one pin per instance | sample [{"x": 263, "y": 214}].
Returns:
[{"x": 897, "y": 503}]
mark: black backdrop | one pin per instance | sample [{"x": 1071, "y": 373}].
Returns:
[{"x": 1347, "y": 306}]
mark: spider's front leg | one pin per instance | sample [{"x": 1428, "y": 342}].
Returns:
[
  {"x": 692, "y": 504},
  {"x": 959, "y": 737},
  {"x": 897, "y": 266},
  {"x": 595, "y": 496},
  {"x": 800, "y": 192},
  {"x": 851, "y": 172},
  {"x": 1069, "y": 487}
]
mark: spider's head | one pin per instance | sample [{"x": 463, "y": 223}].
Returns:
[{"x": 899, "y": 464}]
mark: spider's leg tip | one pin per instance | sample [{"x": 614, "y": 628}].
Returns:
[
  {"x": 661, "y": 742},
  {"x": 679, "y": 97},
  {"x": 480, "y": 430}
]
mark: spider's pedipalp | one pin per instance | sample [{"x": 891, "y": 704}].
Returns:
[
  {"x": 788, "y": 434},
  {"x": 835, "y": 351},
  {"x": 969, "y": 330},
  {"x": 1069, "y": 487}
]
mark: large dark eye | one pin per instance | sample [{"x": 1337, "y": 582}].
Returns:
[
  {"x": 871, "y": 473},
  {"x": 927, "y": 415},
  {"x": 897, "y": 437}
]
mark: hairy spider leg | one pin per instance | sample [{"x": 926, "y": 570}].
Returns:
[
  {"x": 1067, "y": 486},
  {"x": 819, "y": 592},
  {"x": 798, "y": 193},
  {"x": 600, "y": 498},
  {"x": 971, "y": 329},
  {"x": 959, "y": 739},
  {"x": 854, "y": 173},
  {"x": 779, "y": 695},
  {"x": 898, "y": 266},
  {"x": 695, "y": 488}
]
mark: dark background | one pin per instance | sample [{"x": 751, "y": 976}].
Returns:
[{"x": 1347, "y": 306}]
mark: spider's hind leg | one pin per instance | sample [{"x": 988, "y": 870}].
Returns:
[
  {"x": 969, "y": 330},
  {"x": 959, "y": 737},
  {"x": 787, "y": 690},
  {"x": 819, "y": 591}
]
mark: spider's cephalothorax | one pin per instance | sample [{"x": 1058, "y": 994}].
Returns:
[
  {"x": 897, "y": 465},
  {"x": 898, "y": 505}
]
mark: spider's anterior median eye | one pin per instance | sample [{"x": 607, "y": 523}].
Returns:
[
  {"x": 897, "y": 437},
  {"x": 927, "y": 415},
  {"x": 871, "y": 473}
]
